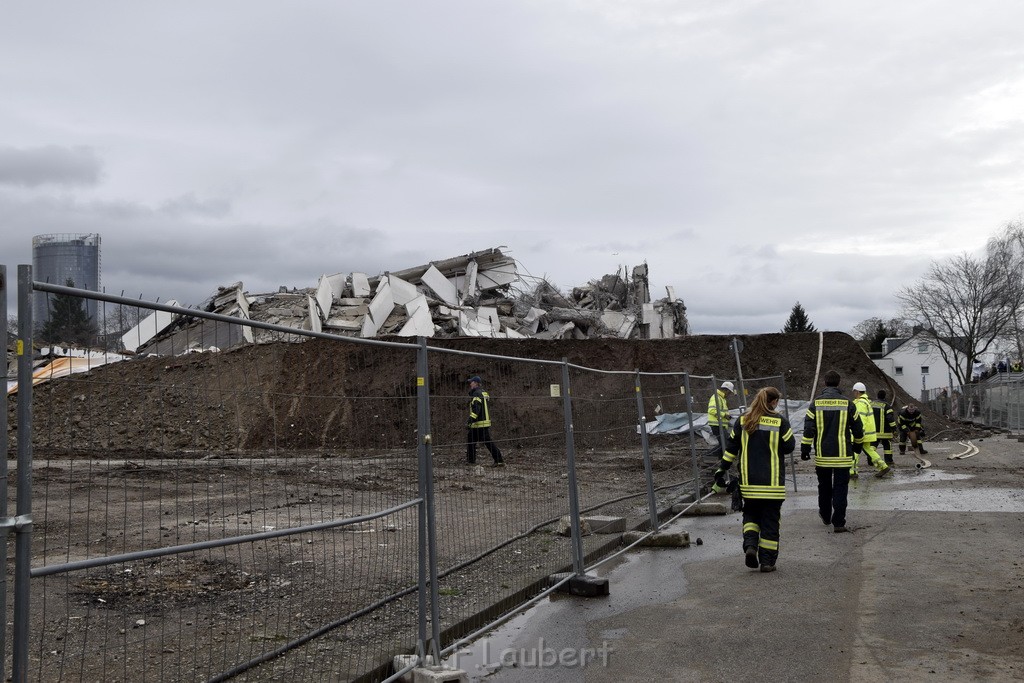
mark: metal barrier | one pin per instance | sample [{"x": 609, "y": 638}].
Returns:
[{"x": 278, "y": 519}]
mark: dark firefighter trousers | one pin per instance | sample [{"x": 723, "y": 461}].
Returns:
[
  {"x": 884, "y": 447},
  {"x": 761, "y": 528},
  {"x": 481, "y": 435},
  {"x": 833, "y": 488}
]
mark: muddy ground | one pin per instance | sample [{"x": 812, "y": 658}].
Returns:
[{"x": 158, "y": 452}]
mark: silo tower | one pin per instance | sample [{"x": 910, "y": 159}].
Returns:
[{"x": 62, "y": 257}]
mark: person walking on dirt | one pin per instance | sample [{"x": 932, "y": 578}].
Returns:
[
  {"x": 718, "y": 416},
  {"x": 760, "y": 438},
  {"x": 885, "y": 423},
  {"x": 833, "y": 428},
  {"x": 867, "y": 419},
  {"x": 910, "y": 424},
  {"x": 479, "y": 425}
]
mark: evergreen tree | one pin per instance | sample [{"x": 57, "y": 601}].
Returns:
[
  {"x": 69, "y": 322},
  {"x": 798, "y": 321}
]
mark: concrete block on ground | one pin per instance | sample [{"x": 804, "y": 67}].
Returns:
[
  {"x": 606, "y": 524},
  {"x": 438, "y": 675},
  {"x": 583, "y": 585},
  {"x": 564, "y": 526},
  {"x": 399, "y": 662},
  {"x": 659, "y": 539},
  {"x": 705, "y": 509}
]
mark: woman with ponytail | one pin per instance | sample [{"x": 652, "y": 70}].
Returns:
[{"x": 760, "y": 439}]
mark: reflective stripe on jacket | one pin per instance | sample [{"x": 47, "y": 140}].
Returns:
[
  {"x": 479, "y": 415},
  {"x": 761, "y": 464},
  {"x": 885, "y": 419},
  {"x": 832, "y": 426},
  {"x": 718, "y": 410},
  {"x": 867, "y": 419},
  {"x": 908, "y": 422}
]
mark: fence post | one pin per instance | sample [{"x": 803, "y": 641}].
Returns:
[
  {"x": 652, "y": 503},
  {"x": 720, "y": 432},
  {"x": 988, "y": 396},
  {"x": 3, "y": 485},
  {"x": 23, "y": 522},
  {"x": 428, "y": 538},
  {"x": 693, "y": 440},
  {"x": 737, "y": 346},
  {"x": 570, "y": 459},
  {"x": 792, "y": 457}
]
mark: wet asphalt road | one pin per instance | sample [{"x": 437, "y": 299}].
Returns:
[{"x": 928, "y": 586}]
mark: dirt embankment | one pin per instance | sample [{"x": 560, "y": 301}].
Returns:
[{"x": 329, "y": 395}]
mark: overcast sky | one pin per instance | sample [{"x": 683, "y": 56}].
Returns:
[{"x": 752, "y": 153}]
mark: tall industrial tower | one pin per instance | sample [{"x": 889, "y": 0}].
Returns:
[{"x": 59, "y": 258}]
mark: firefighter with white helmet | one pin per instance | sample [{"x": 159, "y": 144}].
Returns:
[
  {"x": 718, "y": 416},
  {"x": 862, "y": 402}
]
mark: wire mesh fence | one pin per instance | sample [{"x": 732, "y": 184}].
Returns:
[
  {"x": 997, "y": 402},
  {"x": 217, "y": 507}
]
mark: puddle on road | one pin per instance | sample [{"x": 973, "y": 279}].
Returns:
[{"x": 903, "y": 492}]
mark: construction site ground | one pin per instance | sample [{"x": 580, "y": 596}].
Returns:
[
  {"x": 926, "y": 587},
  {"x": 265, "y": 436}
]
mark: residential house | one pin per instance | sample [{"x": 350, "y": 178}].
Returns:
[{"x": 916, "y": 363}]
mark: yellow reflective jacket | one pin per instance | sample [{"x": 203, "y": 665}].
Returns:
[
  {"x": 885, "y": 419},
  {"x": 867, "y": 419},
  {"x": 718, "y": 410}
]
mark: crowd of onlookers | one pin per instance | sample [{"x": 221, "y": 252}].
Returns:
[{"x": 981, "y": 372}]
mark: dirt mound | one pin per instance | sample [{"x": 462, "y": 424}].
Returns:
[{"x": 326, "y": 395}]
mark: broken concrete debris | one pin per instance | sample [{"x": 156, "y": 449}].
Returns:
[{"x": 475, "y": 295}]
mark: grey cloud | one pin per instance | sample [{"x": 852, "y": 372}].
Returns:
[
  {"x": 189, "y": 204},
  {"x": 50, "y": 165}
]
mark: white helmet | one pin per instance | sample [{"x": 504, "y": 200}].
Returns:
[
  {"x": 728, "y": 386},
  {"x": 859, "y": 386}
]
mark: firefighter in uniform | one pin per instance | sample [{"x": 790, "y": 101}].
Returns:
[
  {"x": 760, "y": 438},
  {"x": 718, "y": 416},
  {"x": 867, "y": 420},
  {"x": 479, "y": 426},
  {"x": 885, "y": 423},
  {"x": 834, "y": 429},
  {"x": 909, "y": 423}
]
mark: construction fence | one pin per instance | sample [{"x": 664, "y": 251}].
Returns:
[
  {"x": 159, "y": 535},
  {"x": 996, "y": 402}
]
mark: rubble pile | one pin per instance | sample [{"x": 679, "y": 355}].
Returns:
[{"x": 475, "y": 295}]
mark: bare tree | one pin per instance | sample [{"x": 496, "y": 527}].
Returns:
[
  {"x": 1008, "y": 246},
  {"x": 967, "y": 303},
  {"x": 117, "y": 320}
]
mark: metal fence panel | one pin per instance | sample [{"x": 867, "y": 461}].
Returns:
[{"x": 125, "y": 584}]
